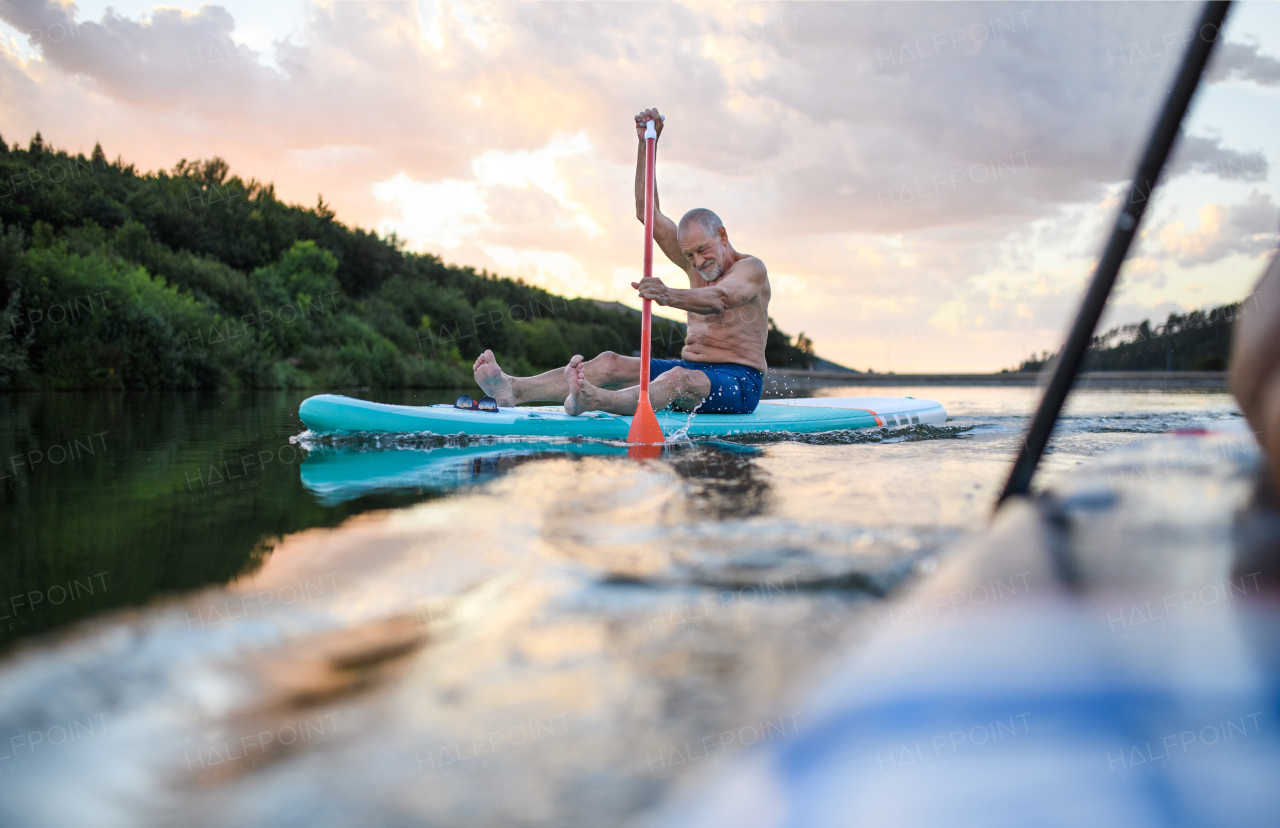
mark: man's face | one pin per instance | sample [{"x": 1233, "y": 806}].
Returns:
[{"x": 705, "y": 252}]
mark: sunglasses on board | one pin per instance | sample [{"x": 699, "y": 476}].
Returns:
[{"x": 466, "y": 403}]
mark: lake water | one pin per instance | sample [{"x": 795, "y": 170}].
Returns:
[{"x": 244, "y": 624}]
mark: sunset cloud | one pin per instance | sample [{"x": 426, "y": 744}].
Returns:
[{"x": 1247, "y": 228}]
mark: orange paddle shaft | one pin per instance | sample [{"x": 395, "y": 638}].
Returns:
[
  {"x": 644, "y": 425},
  {"x": 646, "y": 323}
]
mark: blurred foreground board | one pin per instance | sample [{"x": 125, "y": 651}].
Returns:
[{"x": 1108, "y": 654}]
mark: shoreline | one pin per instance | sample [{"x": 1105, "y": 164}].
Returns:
[
  {"x": 793, "y": 377},
  {"x": 1214, "y": 380}
]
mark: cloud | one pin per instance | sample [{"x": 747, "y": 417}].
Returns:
[
  {"x": 436, "y": 213},
  {"x": 1201, "y": 154},
  {"x": 519, "y": 207},
  {"x": 1248, "y": 228},
  {"x": 552, "y": 269},
  {"x": 1246, "y": 62},
  {"x": 173, "y": 56},
  {"x": 943, "y": 113}
]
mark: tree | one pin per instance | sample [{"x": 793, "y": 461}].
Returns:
[
  {"x": 37, "y": 143},
  {"x": 780, "y": 353},
  {"x": 3, "y": 146},
  {"x": 322, "y": 210},
  {"x": 99, "y": 157}
]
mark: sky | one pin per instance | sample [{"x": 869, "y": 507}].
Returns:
[{"x": 928, "y": 184}]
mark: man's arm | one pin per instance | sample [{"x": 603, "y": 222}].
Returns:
[
  {"x": 664, "y": 229},
  {"x": 735, "y": 288}
]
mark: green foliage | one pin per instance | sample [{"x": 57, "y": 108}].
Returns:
[
  {"x": 196, "y": 278},
  {"x": 102, "y": 322},
  {"x": 1195, "y": 341},
  {"x": 14, "y": 371},
  {"x": 780, "y": 352}
]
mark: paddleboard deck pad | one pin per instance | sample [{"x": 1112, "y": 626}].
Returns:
[{"x": 331, "y": 413}]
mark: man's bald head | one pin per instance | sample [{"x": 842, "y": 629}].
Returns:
[{"x": 704, "y": 218}]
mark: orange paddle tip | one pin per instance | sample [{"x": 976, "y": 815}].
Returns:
[{"x": 644, "y": 426}]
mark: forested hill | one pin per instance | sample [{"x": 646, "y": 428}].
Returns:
[
  {"x": 1195, "y": 341},
  {"x": 194, "y": 278}
]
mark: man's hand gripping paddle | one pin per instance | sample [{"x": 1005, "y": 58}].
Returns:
[{"x": 644, "y": 425}]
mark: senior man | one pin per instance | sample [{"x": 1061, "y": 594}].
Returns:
[{"x": 722, "y": 367}]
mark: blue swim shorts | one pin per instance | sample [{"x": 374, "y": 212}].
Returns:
[{"x": 735, "y": 389}]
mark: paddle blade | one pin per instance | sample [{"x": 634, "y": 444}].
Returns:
[{"x": 644, "y": 425}]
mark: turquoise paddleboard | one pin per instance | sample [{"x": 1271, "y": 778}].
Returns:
[{"x": 329, "y": 413}]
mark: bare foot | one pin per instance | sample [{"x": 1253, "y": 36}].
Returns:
[
  {"x": 492, "y": 381},
  {"x": 576, "y": 377}
]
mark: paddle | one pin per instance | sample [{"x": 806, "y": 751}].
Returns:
[{"x": 644, "y": 425}]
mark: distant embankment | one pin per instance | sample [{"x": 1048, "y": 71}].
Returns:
[{"x": 1094, "y": 379}]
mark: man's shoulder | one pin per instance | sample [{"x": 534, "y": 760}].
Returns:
[{"x": 749, "y": 265}]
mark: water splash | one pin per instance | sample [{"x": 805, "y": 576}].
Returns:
[{"x": 682, "y": 433}]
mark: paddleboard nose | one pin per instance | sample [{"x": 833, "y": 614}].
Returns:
[{"x": 322, "y": 413}]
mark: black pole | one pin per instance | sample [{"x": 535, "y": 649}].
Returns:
[{"x": 1104, "y": 278}]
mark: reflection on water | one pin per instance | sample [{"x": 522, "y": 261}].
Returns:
[
  {"x": 158, "y": 493},
  {"x": 344, "y": 468},
  {"x": 522, "y": 633}
]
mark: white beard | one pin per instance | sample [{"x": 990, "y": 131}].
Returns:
[{"x": 716, "y": 269}]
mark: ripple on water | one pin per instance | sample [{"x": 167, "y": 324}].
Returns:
[{"x": 856, "y": 436}]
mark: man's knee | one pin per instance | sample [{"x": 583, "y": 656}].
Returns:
[
  {"x": 688, "y": 381},
  {"x": 678, "y": 376}
]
